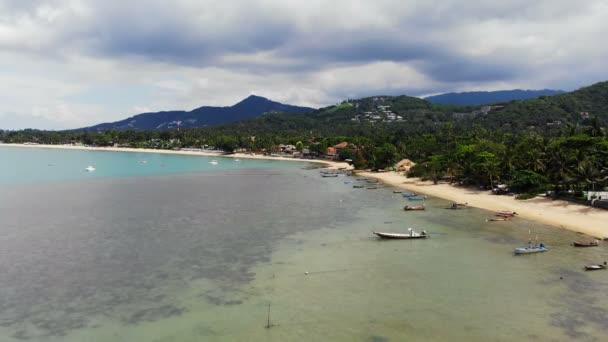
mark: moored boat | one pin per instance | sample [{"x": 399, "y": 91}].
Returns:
[
  {"x": 414, "y": 207},
  {"x": 506, "y": 213},
  {"x": 358, "y": 186},
  {"x": 586, "y": 244},
  {"x": 536, "y": 248},
  {"x": 499, "y": 218},
  {"x": 531, "y": 249},
  {"x": 416, "y": 198},
  {"x": 329, "y": 175},
  {"x": 595, "y": 267},
  {"x": 408, "y": 194},
  {"x": 410, "y": 235},
  {"x": 397, "y": 191}
]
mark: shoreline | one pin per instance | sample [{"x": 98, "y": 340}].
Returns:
[
  {"x": 559, "y": 213},
  {"x": 329, "y": 163}
]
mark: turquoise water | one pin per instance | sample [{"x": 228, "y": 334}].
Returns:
[
  {"x": 201, "y": 254},
  {"x": 27, "y": 165}
]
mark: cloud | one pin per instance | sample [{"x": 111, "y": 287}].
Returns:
[{"x": 85, "y": 61}]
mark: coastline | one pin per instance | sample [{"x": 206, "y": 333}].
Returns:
[
  {"x": 562, "y": 214},
  {"x": 330, "y": 163}
]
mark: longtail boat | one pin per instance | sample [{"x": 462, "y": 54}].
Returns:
[
  {"x": 411, "y": 235},
  {"x": 499, "y": 218},
  {"x": 595, "y": 267},
  {"x": 414, "y": 207},
  {"x": 586, "y": 244}
]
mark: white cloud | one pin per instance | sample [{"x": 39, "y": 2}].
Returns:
[{"x": 160, "y": 55}]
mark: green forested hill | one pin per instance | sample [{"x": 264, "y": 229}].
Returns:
[{"x": 542, "y": 113}]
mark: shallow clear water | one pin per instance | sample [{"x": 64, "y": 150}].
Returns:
[
  {"x": 36, "y": 165},
  {"x": 200, "y": 256}
]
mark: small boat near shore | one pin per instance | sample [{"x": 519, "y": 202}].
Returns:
[
  {"x": 329, "y": 175},
  {"x": 596, "y": 267},
  {"x": 586, "y": 244},
  {"x": 358, "y": 186},
  {"x": 414, "y": 207},
  {"x": 408, "y": 194},
  {"x": 416, "y": 198},
  {"x": 410, "y": 235},
  {"x": 213, "y": 162},
  {"x": 531, "y": 249},
  {"x": 506, "y": 213},
  {"x": 498, "y": 218},
  {"x": 536, "y": 248},
  {"x": 397, "y": 191}
]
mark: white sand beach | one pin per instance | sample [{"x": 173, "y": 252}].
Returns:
[{"x": 563, "y": 214}]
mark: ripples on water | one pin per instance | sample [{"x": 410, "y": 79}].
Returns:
[{"x": 198, "y": 256}]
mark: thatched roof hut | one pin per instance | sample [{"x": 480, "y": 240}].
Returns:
[{"x": 404, "y": 165}]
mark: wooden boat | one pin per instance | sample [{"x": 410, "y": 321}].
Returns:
[
  {"x": 499, "y": 218},
  {"x": 358, "y": 186},
  {"x": 595, "y": 267},
  {"x": 506, "y": 213},
  {"x": 408, "y": 194},
  {"x": 416, "y": 198},
  {"x": 329, "y": 175},
  {"x": 411, "y": 235},
  {"x": 372, "y": 187},
  {"x": 397, "y": 191},
  {"x": 586, "y": 244},
  {"x": 414, "y": 207}
]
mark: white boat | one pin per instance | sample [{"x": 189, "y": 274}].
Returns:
[
  {"x": 213, "y": 162},
  {"x": 531, "y": 249},
  {"x": 411, "y": 235},
  {"x": 237, "y": 160},
  {"x": 89, "y": 168},
  {"x": 536, "y": 248}
]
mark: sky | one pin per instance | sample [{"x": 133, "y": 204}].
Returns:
[{"x": 73, "y": 63}]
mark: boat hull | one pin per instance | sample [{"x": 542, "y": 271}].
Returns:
[
  {"x": 400, "y": 236},
  {"x": 529, "y": 250},
  {"x": 585, "y": 244},
  {"x": 595, "y": 267}
]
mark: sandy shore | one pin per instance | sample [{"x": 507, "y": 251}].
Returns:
[
  {"x": 563, "y": 214},
  {"x": 328, "y": 163}
]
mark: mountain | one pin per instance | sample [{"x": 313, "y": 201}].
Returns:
[
  {"x": 414, "y": 116},
  {"x": 250, "y": 107},
  {"x": 476, "y": 98},
  {"x": 550, "y": 112}
]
